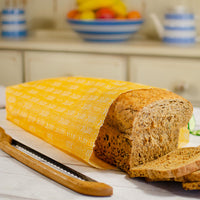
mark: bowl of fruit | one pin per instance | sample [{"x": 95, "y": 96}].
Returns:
[{"x": 104, "y": 20}]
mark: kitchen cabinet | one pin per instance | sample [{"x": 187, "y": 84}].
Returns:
[
  {"x": 11, "y": 69},
  {"x": 40, "y": 65},
  {"x": 145, "y": 62},
  {"x": 179, "y": 75}
]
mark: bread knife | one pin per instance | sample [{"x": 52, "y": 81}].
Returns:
[{"x": 52, "y": 169}]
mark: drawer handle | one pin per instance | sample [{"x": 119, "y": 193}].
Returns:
[{"x": 181, "y": 86}]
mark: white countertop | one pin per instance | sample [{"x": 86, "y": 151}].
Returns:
[
  {"x": 69, "y": 42},
  {"x": 18, "y": 182}
]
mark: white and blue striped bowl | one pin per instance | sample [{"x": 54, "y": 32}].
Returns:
[
  {"x": 105, "y": 30},
  {"x": 13, "y": 23},
  {"x": 179, "y": 28}
]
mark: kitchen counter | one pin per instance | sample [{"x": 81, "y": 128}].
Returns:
[
  {"x": 70, "y": 42},
  {"x": 20, "y": 182}
]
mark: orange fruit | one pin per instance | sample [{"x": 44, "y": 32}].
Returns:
[
  {"x": 134, "y": 15},
  {"x": 77, "y": 16},
  {"x": 72, "y": 14}
]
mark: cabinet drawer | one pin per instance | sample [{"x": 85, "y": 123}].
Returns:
[
  {"x": 10, "y": 68},
  {"x": 40, "y": 65},
  {"x": 178, "y": 75}
]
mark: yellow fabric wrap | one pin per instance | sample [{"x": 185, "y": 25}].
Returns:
[
  {"x": 65, "y": 112},
  {"x": 183, "y": 137}
]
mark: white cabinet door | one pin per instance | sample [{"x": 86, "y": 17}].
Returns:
[
  {"x": 40, "y": 65},
  {"x": 11, "y": 71},
  {"x": 178, "y": 75}
]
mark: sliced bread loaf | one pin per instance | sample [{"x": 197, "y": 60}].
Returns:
[
  {"x": 141, "y": 126},
  {"x": 175, "y": 164}
]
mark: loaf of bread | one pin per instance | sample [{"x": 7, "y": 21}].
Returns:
[
  {"x": 130, "y": 123},
  {"x": 141, "y": 126}
]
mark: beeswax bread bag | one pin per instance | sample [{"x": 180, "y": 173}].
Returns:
[{"x": 66, "y": 112}]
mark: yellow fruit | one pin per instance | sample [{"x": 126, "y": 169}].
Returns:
[
  {"x": 79, "y": 1},
  {"x": 95, "y": 4},
  {"x": 119, "y": 8},
  {"x": 87, "y": 15}
]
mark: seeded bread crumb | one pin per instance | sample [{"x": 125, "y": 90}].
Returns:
[
  {"x": 141, "y": 126},
  {"x": 191, "y": 186}
]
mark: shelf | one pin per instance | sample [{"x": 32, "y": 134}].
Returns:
[{"x": 68, "y": 41}]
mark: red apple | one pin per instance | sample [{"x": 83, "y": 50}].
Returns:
[{"x": 105, "y": 13}]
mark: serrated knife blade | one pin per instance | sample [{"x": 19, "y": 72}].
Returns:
[{"x": 52, "y": 169}]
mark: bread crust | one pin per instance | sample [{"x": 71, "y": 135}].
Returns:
[{"x": 142, "y": 125}]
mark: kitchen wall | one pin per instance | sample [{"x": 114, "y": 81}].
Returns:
[{"x": 50, "y": 14}]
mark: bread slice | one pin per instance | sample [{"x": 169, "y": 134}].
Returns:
[
  {"x": 191, "y": 186},
  {"x": 141, "y": 126},
  {"x": 189, "y": 182},
  {"x": 175, "y": 164},
  {"x": 193, "y": 177}
]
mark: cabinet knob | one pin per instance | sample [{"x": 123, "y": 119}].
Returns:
[{"x": 181, "y": 86}]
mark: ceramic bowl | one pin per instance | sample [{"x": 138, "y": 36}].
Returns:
[{"x": 105, "y": 30}]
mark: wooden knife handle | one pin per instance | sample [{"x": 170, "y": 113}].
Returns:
[{"x": 80, "y": 186}]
